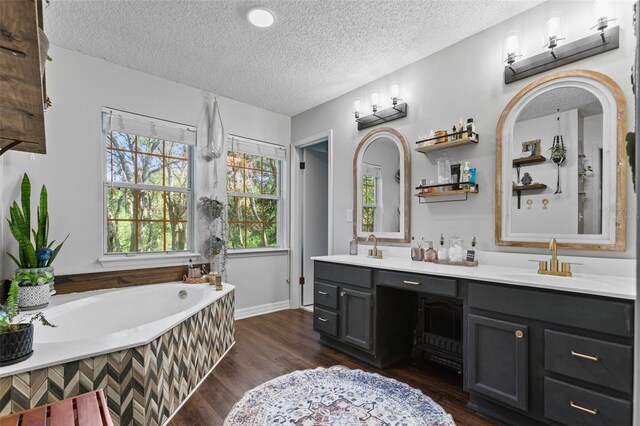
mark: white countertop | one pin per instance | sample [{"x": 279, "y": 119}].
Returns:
[{"x": 622, "y": 287}]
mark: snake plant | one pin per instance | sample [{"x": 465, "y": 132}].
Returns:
[{"x": 39, "y": 252}]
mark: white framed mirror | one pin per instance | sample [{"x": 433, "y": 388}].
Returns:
[
  {"x": 381, "y": 178},
  {"x": 561, "y": 169}
]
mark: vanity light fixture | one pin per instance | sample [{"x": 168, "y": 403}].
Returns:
[
  {"x": 561, "y": 54},
  {"x": 375, "y": 102},
  {"x": 553, "y": 34},
  {"x": 379, "y": 115},
  {"x": 261, "y": 17},
  {"x": 603, "y": 13},
  {"x": 512, "y": 48}
]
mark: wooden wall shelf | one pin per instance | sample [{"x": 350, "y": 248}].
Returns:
[
  {"x": 531, "y": 187},
  {"x": 435, "y": 197},
  {"x": 534, "y": 159},
  {"x": 449, "y": 144},
  {"x": 21, "y": 85}
]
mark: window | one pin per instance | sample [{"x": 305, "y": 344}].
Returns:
[
  {"x": 147, "y": 184},
  {"x": 370, "y": 195},
  {"x": 254, "y": 190}
]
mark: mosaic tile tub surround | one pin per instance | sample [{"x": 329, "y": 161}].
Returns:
[{"x": 143, "y": 385}]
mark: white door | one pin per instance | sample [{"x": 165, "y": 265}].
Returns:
[{"x": 314, "y": 198}]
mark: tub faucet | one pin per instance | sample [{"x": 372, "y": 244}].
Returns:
[{"x": 374, "y": 252}]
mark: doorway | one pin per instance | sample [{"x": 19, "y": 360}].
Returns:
[{"x": 312, "y": 195}]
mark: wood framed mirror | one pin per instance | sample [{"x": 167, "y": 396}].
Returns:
[
  {"x": 381, "y": 179},
  {"x": 561, "y": 168}
]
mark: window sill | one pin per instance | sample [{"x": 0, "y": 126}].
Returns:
[
  {"x": 257, "y": 252},
  {"x": 157, "y": 259}
]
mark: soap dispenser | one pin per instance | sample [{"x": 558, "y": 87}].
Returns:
[
  {"x": 353, "y": 246},
  {"x": 442, "y": 251},
  {"x": 471, "y": 259},
  {"x": 417, "y": 253}
]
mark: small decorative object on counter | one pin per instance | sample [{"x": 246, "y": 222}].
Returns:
[
  {"x": 430, "y": 255},
  {"x": 417, "y": 252},
  {"x": 456, "y": 250},
  {"x": 353, "y": 246},
  {"x": 215, "y": 279},
  {"x": 442, "y": 251},
  {"x": 471, "y": 259}
]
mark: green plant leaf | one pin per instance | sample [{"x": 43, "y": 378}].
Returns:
[
  {"x": 43, "y": 220},
  {"x": 25, "y": 199},
  {"x": 14, "y": 259},
  {"x": 12, "y": 300},
  {"x": 56, "y": 250}
]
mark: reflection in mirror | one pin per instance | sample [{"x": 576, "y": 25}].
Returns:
[
  {"x": 565, "y": 126},
  {"x": 561, "y": 168},
  {"x": 381, "y": 191},
  {"x": 381, "y": 188}
]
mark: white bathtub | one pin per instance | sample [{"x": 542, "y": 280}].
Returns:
[{"x": 103, "y": 321}]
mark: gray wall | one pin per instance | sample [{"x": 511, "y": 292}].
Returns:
[{"x": 464, "y": 80}]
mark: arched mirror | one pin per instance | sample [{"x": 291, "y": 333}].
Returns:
[
  {"x": 561, "y": 168},
  {"x": 381, "y": 178}
]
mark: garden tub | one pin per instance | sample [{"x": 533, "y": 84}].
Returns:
[{"x": 165, "y": 337}]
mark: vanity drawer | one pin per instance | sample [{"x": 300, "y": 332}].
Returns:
[
  {"x": 325, "y": 322},
  {"x": 594, "y": 361},
  {"x": 609, "y": 316},
  {"x": 423, "y": 283},
  {"x": 344, "y": 274},
  {"x": 325, "y": 295},
  {"x": 572, "y": 405}
]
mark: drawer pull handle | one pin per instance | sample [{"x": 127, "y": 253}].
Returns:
[
  {"x": 323, "y": 319},
  {"x": 584, "y": 356},
  {"x": 412, "y": 282},
  {"x": 519, "y": 334},
  {"x": 586, "y": 410},
  {"x": 324, "y": 293},
  {"x": 342, "y": 293}
]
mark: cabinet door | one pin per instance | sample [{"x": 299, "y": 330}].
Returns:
[
  {"x": 497, "y": 360},
  {"x": 356, "y": 312}
]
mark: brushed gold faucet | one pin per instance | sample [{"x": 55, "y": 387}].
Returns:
[
  {"x": 374, "y": 252},
  {"x": 554, "y": 266}
]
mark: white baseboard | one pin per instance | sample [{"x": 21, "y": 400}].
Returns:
[
  {"x": 261, "y": 309},
  {"x": 307, "y": 308}
]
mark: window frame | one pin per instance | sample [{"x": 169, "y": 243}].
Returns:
[
  {"x": 281, "y": 182},
  {"x": 114, "y": 258}
]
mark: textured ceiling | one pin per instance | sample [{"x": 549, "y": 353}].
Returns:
[
  {"x": 316, "y": 51},
  {"x": 564, "y": 99}
]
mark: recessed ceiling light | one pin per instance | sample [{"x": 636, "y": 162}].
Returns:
[{"x": 261, "y": 17}]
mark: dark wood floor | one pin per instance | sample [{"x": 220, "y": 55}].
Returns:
[{"x": 271, "y": 345}]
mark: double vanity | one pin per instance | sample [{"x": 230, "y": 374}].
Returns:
[{"x": 535, "y": 349}]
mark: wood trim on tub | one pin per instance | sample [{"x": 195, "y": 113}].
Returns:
[{"x": 119, "y": 279}]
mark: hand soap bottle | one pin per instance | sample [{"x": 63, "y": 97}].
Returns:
[
  {"x": 353, "y": 246},
  {"x": 471, "y": 259}
]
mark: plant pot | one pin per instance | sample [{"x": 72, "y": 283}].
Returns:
[
  {"x": 33, "y": 296},
  {"x": 16, "y": 346},
  {"x": 43, "y": 275}
]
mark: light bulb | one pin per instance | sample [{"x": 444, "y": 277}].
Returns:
[
  {"x": 356, "y": 108},
  {"x": 512, "y": 47},
  {"x": 375, "y": 101},
  {"x": 553, "y": 32},
  {"x": 395, "y": 90},
  {"x": 602, "y": 13}
]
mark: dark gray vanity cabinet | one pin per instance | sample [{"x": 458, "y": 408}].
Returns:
[
  {"x": 498, "y": 359},
  {"x": 344, "y": 305},
  {"x": 538, "y": 356}
]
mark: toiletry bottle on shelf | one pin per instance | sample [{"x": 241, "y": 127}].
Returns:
[
  {"x": 471, "y": 259},
  {"x": 472, "y": 177},
  {"x": 353, "y": 246},
  {"x": 442, "y": 251},
  {"x": 463, "y": 133},
  {"x": 453, "y": 133},
  {"x": 430, "y": 255},
  {"x": 471, "y": 128},
  {"x": 465, "y": 174}
]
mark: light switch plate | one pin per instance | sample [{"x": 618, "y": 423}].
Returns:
[{"x": 349, "y": 215}]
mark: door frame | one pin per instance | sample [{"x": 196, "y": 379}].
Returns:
[{"x": 296, "y": 219}]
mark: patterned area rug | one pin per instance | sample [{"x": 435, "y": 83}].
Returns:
[{"x": 336, "y": 396}]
